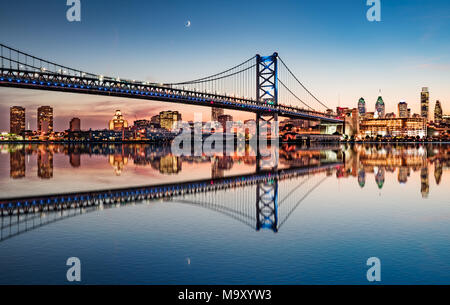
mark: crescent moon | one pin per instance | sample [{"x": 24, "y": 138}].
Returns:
[{"x": 188, "y": 24}]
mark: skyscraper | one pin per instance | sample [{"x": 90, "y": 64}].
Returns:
[
  {"x": 362, "y": 106},
  {"x": 402, "y": 109},
  {"x": 380, "y": 107},
  {"x": 118, "y": 123},
  {"x": 45, "y": 119},
  {"x": 169, "y": 119},
  {"x": 17, "y": 120},
  {"x": 438, "y": 113},
  {"x": 75, "y": 124},
  {"x": 424, "y": 102}
]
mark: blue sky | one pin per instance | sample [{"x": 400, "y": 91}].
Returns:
[{"x": 330, "y": 45}]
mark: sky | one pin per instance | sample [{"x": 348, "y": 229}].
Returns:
[{"x": 330, "y": 45}]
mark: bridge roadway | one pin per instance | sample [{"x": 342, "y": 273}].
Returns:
[
  {"x": 23, "y": 205},
  {"x": 88, "y": 84}
]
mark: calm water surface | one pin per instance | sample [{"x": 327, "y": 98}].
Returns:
[{"x": 391, "y": 202}]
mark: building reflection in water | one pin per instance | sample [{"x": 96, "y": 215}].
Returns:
[
  {"x": 425, "y": 183},
  {"x": 75, "y": 159},
  {"x": 403, "y": 173},
  {"x": 17, "y": 163},
  {"x": 168, "y": 165},
  {"x": 45, "y": 163},
  {"x": 361, "y": 161},
  {"x": 118, "y": 162},
  {"x": 380, "y": 177},
  {"x": 362, "y": 177},
  {"x": 438, "y": 171},
  {"x": 380, "y": 159}
]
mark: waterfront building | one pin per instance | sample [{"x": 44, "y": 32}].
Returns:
[
  {"x": 143, "y": 124},
  {"x": 446, "y": 119},
  {"x": 438, "y": 113},
  {"x": 75, "y": 125},
  {"x": 403, "y": 109},
  {"x": 45, "y": 119},
  {"x": 362, "y": 106},
  {"x": 341, "y": 111},
  {"x": 351, "y": 117},
  {"x": 396, "y": 127},
  {"x": 409, "y": 112},
  {"x": 368, "y": 116},
  {"x": 390, "y": 115},
  {"x": 118, "y": 123},
  {"x": 380, "y": 108},
  {"x": 169, "y": 119},
  {"x": 424, "y": 102},
  {"x": 17, "y": 120},
  {"x": 155, "y": 119}
]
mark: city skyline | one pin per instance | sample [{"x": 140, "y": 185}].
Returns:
[
  {"x": 94, "y": 121},
  {"x": 405, "y": 51}
]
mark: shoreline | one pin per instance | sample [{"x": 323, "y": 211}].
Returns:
[{"x": 169, "y": 142}]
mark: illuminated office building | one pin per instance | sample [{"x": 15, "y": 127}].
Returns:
[
  {"x": 402, "y": 110},
  {"x": 75, "y": 124},
  {"x": 380, "y": 108},
  {"x": 168, "y": 119},
  {"x": 362, "y": 106},
  {"x": 17, "y": 120},
  {"x": 438, "y": 113},
  {"x": 424, "y": 102},
  {"x": 45, "y": 119},
  {"x": 396, "y": 127},
  {"x": 118, "y": 123},
  {"x": 155, "y": 119}
]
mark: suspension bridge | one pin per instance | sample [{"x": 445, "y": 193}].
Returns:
[{"x": 264, "y": 85}]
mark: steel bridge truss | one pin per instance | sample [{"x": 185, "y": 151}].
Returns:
[{"x": 22, "y": 70}]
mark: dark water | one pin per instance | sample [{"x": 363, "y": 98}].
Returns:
[{"x": 390, "y": 202}]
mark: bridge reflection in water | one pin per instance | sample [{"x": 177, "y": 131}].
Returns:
[
  {"x": 252, "y": 204},
  {"x": 260, "y": 200}
]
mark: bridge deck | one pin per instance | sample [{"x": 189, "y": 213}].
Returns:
[{"x": 110, "y": 87}]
